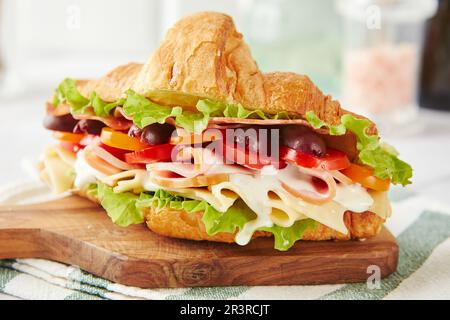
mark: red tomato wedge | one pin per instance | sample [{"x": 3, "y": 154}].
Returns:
[
  {"x": 118, "y": 153},
  {"x": 157, "y": 153},
  {"x": 333, "y": 160},
  {"x": 364, "y": 176}
]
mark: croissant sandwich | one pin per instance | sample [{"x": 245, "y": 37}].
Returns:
[{"x": 199, "y": 144}]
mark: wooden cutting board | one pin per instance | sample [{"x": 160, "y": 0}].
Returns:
[{"x": 76, "y": 231}]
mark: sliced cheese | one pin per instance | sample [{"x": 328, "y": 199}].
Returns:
[
  {"x": 139, "y": 180},
  {"x": 258, "y": 193},
  {"x": 57, "y": 169},
  {"x": 381, "y": 204},
  {"x": 264, "y": 194}
]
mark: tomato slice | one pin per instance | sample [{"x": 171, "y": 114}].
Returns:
[
  {"x": 333, "y": 160},
  {"x": 364, "y": 176},
  {"x": 68, "y": 136},
  {"x": 118, "y": 153},
  {"x": 157, "y": 153},
  {"x": 120, "y": 140}
]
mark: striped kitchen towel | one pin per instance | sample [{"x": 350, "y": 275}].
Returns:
[{"x": 421, "y": 226}]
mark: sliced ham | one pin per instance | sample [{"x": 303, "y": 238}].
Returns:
[
  {"x": 60, "y": 110},
  {"x": 99, "y": 164},
  {"x": 342, "y": 178},
  {"x": 227, "y": 126},
  {"x": 109, "y": 158},
  {"x": 185, "y": 170},
  {"x": 205, "y": 163},
  {"x": 262, "y": 122},
  {"x": 120, "y": 124},
  {"x": 299, "y": 182},
  {"x": 118, "y": 112}
]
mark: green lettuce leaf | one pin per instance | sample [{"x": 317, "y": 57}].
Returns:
[
  {"x": 238, "y": 111},
  {"x": 382, "y": 157},
  {"x": 67, "y": 92},
  {"x": 285, "y": 238},
  {"x": 120, "y": 207},
  {"x": 127, "y": 208},
  {"x": 317, "y": 123},
  {"x": 359, "y": 128},
  {"x": 215, "y": 222},
  {"x": 101, "y": 108},
  {"x": 387, "y": 165},
  {"x": 145, "y": 112}
]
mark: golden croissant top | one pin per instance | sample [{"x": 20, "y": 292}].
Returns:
[{"x": 204, "y": 56}]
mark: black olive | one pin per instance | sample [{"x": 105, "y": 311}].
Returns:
[
  {"x": 64, "y": 123},
  {"x": 89, "y": 126},
  {"x": 303, "y": 139},
  {"x": 157, "y": 133}
]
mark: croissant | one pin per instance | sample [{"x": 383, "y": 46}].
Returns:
[{"x": 203, "y": 56}]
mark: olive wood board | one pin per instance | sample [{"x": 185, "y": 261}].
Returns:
[{"x": 75, "y": 231}]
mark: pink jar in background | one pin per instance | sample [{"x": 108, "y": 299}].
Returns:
[{"x": 382, "y": 46}]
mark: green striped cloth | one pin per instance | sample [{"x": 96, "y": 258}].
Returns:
[{"x": 421, "y": 226}]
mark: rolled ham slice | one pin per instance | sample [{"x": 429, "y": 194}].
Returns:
[
  {"x": 299, "y": 182},
  {"x": 119, "y": 124},
  {"x": 342, "y": 178},
  {"x": 262, "y": 122},
  {"x": 205, "y": 163},
  {"x": 58, "y": 111},
  {"x": 109, "y": 158}
]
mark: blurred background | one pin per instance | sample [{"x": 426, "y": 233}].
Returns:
[{"x": 389, "y": 59}]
